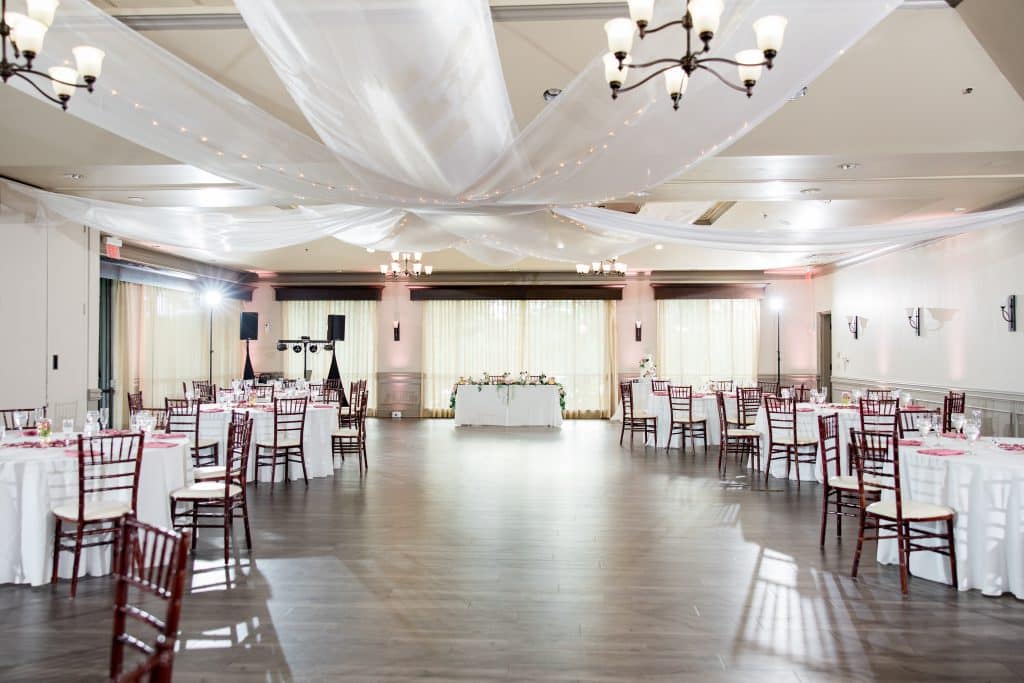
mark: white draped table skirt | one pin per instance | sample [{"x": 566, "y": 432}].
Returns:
[
  {"x": 511, "y": 405},
  {"x": 35, "y": 480}
]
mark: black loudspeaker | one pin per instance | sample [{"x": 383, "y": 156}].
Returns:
[
  {"x": 249, "y": 327},
  {"x": 336, "y": 328}
]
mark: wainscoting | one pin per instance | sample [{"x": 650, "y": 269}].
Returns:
[
  {"x": 399, "y": 391},
  {"x": 1002, "y": 412}
]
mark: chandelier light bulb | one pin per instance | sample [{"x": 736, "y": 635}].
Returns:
[
  {"x": 395, "y": 256},
  {"x": 28, "y": 35},
  {"x": 676, "y": 81},
  {"x": 595, "y": 267},
  {"x": 706, "y": 16},
  {"x": 427, "y": 270},
  {"x": 749, "y": 66},
  {"x": 620, "y": 36},
  {"x": 89, "y": 61},
  {"x": 417, "y": 268},
  {"x": 64, "y": 79},
  {"x": 12, "y": 19},
  {"x": 42, "y": 10},
  {"x": 396, "y": 267},
  {"x": 615, "y": 76},
  {"x": 770, "y": 31},
  {"x": 641, "y": 11}
]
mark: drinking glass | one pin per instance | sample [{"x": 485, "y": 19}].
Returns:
[
  {"x": 104, "y": 417},
  {"x": 924, "y": 425},
  {"x": 857, "y": 395},
  {"x": 68, "y": 427},
  {"x": 133, "y": 422},
  {"x": 39, "y": 414},
  {"x": 3, "y": 432},
  {"x": 20, "y": 419},
  {"x": 957, "y": 422},
  {"x": 908, "y": 400},
  {"x": 976, "y": 414},
  {"x": 90, "y": 427},
  {"x": 784, "y": 393},
  {"x": 972, "y": 430},
  {"x": 93, "y": 416}
]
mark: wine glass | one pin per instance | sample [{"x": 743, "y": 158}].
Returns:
[
  {"x": 972, "y": 430},
  {"x": 20, "y": 419},
  {"x": 39, "y": 414},
  {"x": 68, "y": 427},
  {"x": 90, "y": 426},
  {"x": 924, "y": 425},
  {"x": 784, "y": 393},
  {"x": 104, "y": 417},
  {"x": 3, "y": 432},
  {"x": 957, "y": 421},
  {"x": 976, "y": 414}
]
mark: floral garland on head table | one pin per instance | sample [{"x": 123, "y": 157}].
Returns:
[{"x": 508, "y": 380}]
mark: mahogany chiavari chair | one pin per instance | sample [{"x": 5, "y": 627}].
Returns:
[
  {"x": 108, "y": 487},
  {"x": 680, "y": 403},
  {"x": 801, "y": 394},
  {"x": 202, "y": 389},
  {"x": 954, "y": 403},
  {"x": 721, "y": 385},
  {"x": 151, "y": 562},
  {"x": 906, "y": 420},
  {"x": 840, "y": 491},
  {"x": 222, "y": 499},
  {"x": 135, "y": 406},
  {"x": 263, "y": 392},
  {"x": 635, "y": 420},
  {"x": 286, "y": 445},
  {"x": 766, "y": 386},
  {"x": 288, "y": 383},
  {"x": 241, "y": 420},
  {"x": 879, "y": 394},
  {"x": 660, "y": 386},
  {"x": 352, "y": 438},
  {"x": 183, "y": 418},
  {"x": 785, "y": 442},
  {"x": 736, "y": 440},
  {"x": 877, "y": 458},
  {"x": 748, "y": 403},
  {"x": 30, "y": 417},
  {"x": 878, "y": 415},
  {"x": 333, "y": 391}
]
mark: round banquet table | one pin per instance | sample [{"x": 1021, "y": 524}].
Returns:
[
  {"x": 704, "y": 407},
  {"x": 34, "y": 480},
  {"x": 986, "y": 490},
  {"x": 321, "y": 421}
]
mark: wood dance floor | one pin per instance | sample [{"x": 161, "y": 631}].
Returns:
[{"x": 490, "y": 554}]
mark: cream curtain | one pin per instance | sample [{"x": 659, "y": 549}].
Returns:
[
  {"x": 357, "y": 355},
  {"x": 162, "y": 338},
  {"x": 705, "y": 339},
  {"x": 571, "y": 340}
]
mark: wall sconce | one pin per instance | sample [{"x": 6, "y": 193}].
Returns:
[
  {"x": 914, "y": 318},
  {"x": 1009, "y": 312},
  {"x": 853, "y": 323},
  {"x": 397, "y": 331},
  {"x": 639, "y": 335}
]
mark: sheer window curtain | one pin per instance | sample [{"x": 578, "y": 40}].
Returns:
[
  {"x": 572, "y": 340},
  {"x": 705, "y": 339},
  {"x": 162, "y": 338},
  {"x": 357, "y": 355}
]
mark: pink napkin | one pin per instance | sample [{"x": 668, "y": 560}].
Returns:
[
  {"x": 73, "y": 452},
  {"x": 167, "y": 436},
  {"x": 1012, "y": 447},
  {"x": 661, "y": 393},
  {"x": 913, "y": 409},
  {"x": 840, "y": 406},
  {"x": 910, "y": 442},
  {"x": 805, "y": 410},
  {"x": 213, "y": 410},
  {"x": 30, "y": 432},
  {"x": 323, "y": 405},
  {"x": 114, "y": 432},
  {"x": 953, "y": 435},
  {"x": 161, "y": 444},
  {"x": 941, "y": 451},
  {"x": 699, "y": 395}
]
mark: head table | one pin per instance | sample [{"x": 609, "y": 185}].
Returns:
[
  {"x": 508, "y": 405},
  {"x": 321, "y": 421},
  {"x": 33, "y": 480}
]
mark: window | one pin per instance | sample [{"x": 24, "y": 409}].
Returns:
[{"x": 705, "y": 339}]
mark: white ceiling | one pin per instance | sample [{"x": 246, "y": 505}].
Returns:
[{"x": 893, "y": 104}]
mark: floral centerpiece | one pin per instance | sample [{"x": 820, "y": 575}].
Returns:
[
  {"x": 647, "y": 368},
  {"x": 507, "y": 380},
  {"x": 45, "y": 427},
  {"x": 846, "y": 398}
]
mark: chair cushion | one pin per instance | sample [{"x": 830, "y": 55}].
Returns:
[
  {"x": 800, "y": 441},
  {"x": 210, "y": 472},
  {"x": 207, "y": 443},
  {"x": 849, "y": 483},
  {"x": 743, "y": 432},
  {"x": 202, "y": 490},
  {"x": 281, "y": 443},
  {"x": 911, "y": 510},
  {"x": 94, "y": 510},
  {"x": 346, "y": 432}
]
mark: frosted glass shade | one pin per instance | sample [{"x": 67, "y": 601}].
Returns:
[
  {"x": 770, "y": 31},
  {"x": 28, "y": 35},
  {"x": 417, "y": 268},
  {"x": 42, "y": 10},
  {"x": 641, "y": 10},
  {"x": 676, "y": 80},
  {"x": 417, "y": 256},
  {"x": 89, "y": 60},
  {"x": 620, "y": 35},
  {"x": 383, "y": 269},
  {"x": 749, "y": 73},
  {"x": 612, "y": 73},
  {"x": 706, "y": 15},
  {"x": 427, "y": 270},
  {"x": 65, "y": 74}
]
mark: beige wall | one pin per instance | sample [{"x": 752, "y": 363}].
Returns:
[{"x": 50, "y": 280}]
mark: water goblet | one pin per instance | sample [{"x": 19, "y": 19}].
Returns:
[
  {"x": 3, "y": 432},
  {"x": 976, "y": 414},
  {"x": 972, "y": 430},
  {"x": 957, "y": 422},
  {"x": 104, "y": 417},
  {"x": 20, "y": 419},
  {"x": 924, "y": 426},
  {"x": 785, "y": 393},
  {"x": 90, "y": 427},
  {"x": 67, "y": 426}
]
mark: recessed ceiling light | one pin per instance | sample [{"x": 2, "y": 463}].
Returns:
[
  {"x": 848, "y": 165},
  {"x": 560, "y": 245},
  {"x": 659, "y": 247},
  {"x": 73, "y": 176},
  {"x": 959, "y": 209},
  {"x": 135, "y": 199},
  {"x": 810, "y": 190}
]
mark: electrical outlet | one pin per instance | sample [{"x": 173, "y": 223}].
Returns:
[{"x": 396, "y": 414}]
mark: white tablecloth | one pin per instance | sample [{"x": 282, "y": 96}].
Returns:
[
  {"x": 987, "y": 492},
  {"x": 704, "y": 407},
  {"x": 807, "y": 427},
  {"x": 34, "y": 480},
  {"x": 321, "y": 421},
  {"x": 512, "y": 405}
]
